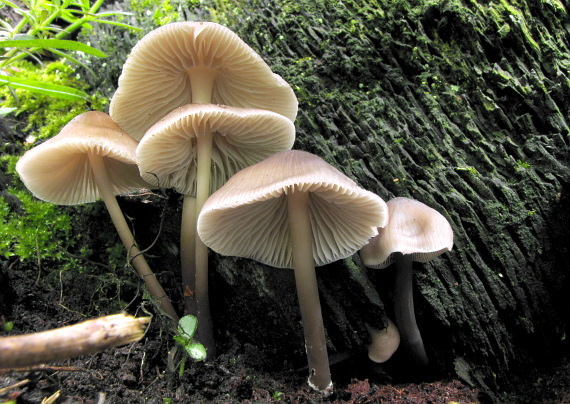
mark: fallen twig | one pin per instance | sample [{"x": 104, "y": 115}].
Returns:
[
  {"x": 62, "y": 343},
  {"x": 6, "y": 389}
]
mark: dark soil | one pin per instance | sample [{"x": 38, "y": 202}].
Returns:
[{"x": 242, "y": 373}]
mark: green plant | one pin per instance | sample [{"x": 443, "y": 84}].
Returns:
[
  {"x": 37, "y": 33},
  {"x": 44, "y": 115},
  {"x": 187, "y": 327}
]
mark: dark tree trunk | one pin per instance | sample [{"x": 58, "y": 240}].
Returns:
[{"x": 463, "y": 106}]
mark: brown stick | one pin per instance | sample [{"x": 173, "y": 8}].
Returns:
[{"x": 63, "y": 343}]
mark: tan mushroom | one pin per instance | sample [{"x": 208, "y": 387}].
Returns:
[
  {"x": 384, "y": 342},
  {"x": 170, "y": 153},
  {"x": 415, "y": 232},
  {"x": 91, "y": 159},
  {"x": 293, "y": 210},
  {"x": 194, "y": 62}
]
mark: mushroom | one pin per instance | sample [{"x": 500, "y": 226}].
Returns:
[
  {"x": 293, "y": 210},
  {"x": 415, "y": 232},
  {"x": 169, "y": 152},
  {"x": 384, "y": 342},
  {"x": 90, "y": 159},
  {"x": 194, "y": 62}
]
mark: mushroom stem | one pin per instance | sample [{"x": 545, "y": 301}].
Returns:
[
  {"x": 204, "y": 163},
  {"x": 300, "y": 236},
  {"x": 188, "y": 253},
  {"x": 105, "y": 189},
  {"x": 202, "y": 84},
  {"x": 404, "y": 309},
  {"x": 196, "y": 276}
]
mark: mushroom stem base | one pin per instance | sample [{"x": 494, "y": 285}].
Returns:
[{"x": 405, "y": 316}]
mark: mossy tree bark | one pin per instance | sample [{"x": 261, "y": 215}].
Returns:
[{"x": 462, "y": 105}]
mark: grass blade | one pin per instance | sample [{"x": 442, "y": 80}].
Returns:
[
  {"x": 52, "y": 90},
  {"x": 52, "y": 43}
]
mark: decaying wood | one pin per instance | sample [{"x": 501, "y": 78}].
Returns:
[{"x": 87, "y": 337}]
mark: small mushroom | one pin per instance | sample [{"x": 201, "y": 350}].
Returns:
[
  {"x": 91, "y": 159},
  {"x": 384, "y": 342},
  {"x": 293, "y": 210},
  {"x": 415, "y": 232},
  {"x": 170, "y": 152}
]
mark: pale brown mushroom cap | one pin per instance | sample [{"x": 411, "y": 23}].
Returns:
[
  {"x": 242, "y": 137},
  {"x": 413, "y": 228},
  {"x": 58, "y": 170},
  {"x": 384, "y": 342},
  {"x": 247, "y": 217},
  {"x": 155, "y": 77}
]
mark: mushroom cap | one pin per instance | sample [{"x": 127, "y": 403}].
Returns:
[
  {"x": 384, "y": 342},
  {"x": 242, "y": 137},
  {"x": 155, "y": 77},
  {"x": 58, "y": 170},
  {"x": 413, "y": 228},
  {"x": 247, "y": 217}
]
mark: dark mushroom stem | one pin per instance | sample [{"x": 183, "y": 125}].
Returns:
[
  {"x": 105, "y": 190},
  {"x": 300, "y": 236},
  {"x": 410, "y": 336}
]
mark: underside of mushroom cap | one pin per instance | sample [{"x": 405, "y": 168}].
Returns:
[
  {"x": 58, "y": 170},
  {"x": 156, "y": 75},
  {"x": 413, "y": 229},
  {"x": 247, "y": 217},
  {"x": 241, "y": 137}
]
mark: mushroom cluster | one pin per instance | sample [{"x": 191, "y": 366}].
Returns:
[
  {"x": 197, "y": 110},
  {"x": 204, "y": 105}
]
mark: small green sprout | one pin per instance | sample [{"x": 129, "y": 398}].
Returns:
[{"x": 187, "y": 327}]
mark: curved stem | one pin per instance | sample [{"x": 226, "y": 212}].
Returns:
[
  {"x": 404, "y": 310},
  {"x": 300, "y": 236},
  {"x": 105, "y": 189}
]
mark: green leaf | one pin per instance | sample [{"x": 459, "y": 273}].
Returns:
[
  {"x": 196, "y": 351},
  {"x": 52, "y": 43},
  {"x": 188, "y": 325},
  {"x": 11, "y": 4},
  {"x": 118, "y": 24},
  {"x": 52, "y": 90},
  {"x": 183, "y": 341}
]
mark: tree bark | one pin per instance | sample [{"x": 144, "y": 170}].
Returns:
[{"x": 460, "y": 105}]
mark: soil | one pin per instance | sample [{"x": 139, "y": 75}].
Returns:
[{"x": 143, "y": 372}]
